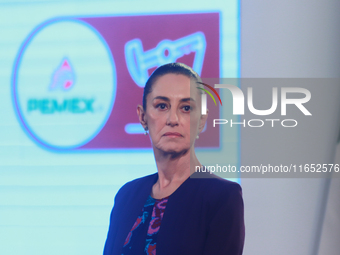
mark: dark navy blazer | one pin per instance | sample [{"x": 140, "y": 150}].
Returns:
[{"x": 203, "y": 216}]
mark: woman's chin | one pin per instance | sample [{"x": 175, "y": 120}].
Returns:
[{"x": 173, "y": 149}]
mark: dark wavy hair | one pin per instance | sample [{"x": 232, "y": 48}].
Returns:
[{"x": 174, "y": 68}]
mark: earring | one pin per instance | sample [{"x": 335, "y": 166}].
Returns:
[
  {"x": 146, "y": 131},
  {"x": 197, "y": 137}
]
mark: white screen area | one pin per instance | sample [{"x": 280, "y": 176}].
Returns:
[{"x": 59, "y": 201}]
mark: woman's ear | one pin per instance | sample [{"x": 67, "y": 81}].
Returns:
[
  {"x": 203, "y": 120},
  {"x": 141, "y": 115}
]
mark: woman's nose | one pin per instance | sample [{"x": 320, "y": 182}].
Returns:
[{"x": 172, "y": 119}]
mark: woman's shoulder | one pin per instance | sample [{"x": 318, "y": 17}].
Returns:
[
  {"x": 210, "y": 195},
  {"x": 138, "y": 184},
  {"x": 212, "y": 183},
  {"x": 215, "y": 191},
  {"x": 141, "y": 180}
]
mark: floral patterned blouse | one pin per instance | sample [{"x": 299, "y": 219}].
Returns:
[{"x": 142, "y": 237}]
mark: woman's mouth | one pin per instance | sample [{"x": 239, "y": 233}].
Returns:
[{"x": 172, "y": 134}]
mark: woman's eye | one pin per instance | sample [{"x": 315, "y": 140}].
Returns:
[
  {"x": 161, "y": 106},
  {"x": 187, "y": 108}
]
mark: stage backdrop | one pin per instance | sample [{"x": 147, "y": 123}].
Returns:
[{"x": 71, "y": 76}]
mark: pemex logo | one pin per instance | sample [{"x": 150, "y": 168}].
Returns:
[
  {"x": 204, "y": 97},
  {"x": 64, "y": 91},
  {"x": 64, "y": 76}
]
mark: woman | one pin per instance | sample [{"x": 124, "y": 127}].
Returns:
[{"x": 170, "y": 212}]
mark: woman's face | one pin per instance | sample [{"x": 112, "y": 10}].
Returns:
[{"x": 173, "y": 113}]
